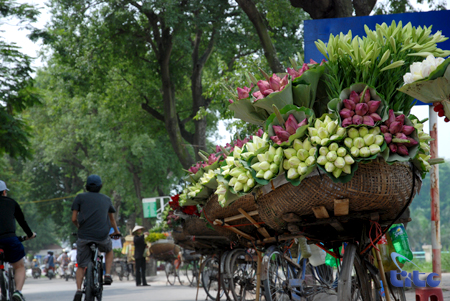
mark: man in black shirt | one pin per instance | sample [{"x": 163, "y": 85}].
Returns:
[
  {"x": 13, "y": 249},
  {"x": 139, "y": 249}
]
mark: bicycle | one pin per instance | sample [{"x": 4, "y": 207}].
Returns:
[
  {"x": 7, "y": 282},
  {"x": 191, "y": 267},
  {"x": 123, "y": 269},
  {"x": 210, "y": 277},
  {"x": 171, "y": 269}
]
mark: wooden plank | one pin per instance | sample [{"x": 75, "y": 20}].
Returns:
[
  {"x": 337, "y": 225},
  {"x": 291, "y": 218},
  {"x": 341, "y": 207},
  {"x": 320, "y": 212},
  {"x": 240, "y": 216},
  {"x": 237, "y": 231},
  {"x": 261, "y": 230}
]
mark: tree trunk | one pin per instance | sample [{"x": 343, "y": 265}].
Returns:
[
  {"x": 117, "y": 201},
  {"x": 260, "y": 25},
  {"x": 323, "y": 9},
  {"x": 138, "y": 190}
]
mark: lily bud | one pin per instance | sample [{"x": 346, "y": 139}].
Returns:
[
  {"x": 347, "y": 169},
  {"x": 349, "y": 104},
  {"x": 341, "y": 152},
  {"x": 395, "y": 127},
  {"x": 361, "y": 109},
  {"x": 345, "y": 113},
  {"x": 264, "y": 165},
  {"x": 348, "y": 142},
  {"x": 424, "y": 146},
  {"x": 313, "y": 131},
  {"x": 323, "y": 133},
  {"x": 364, "y": 152},
  {"x": 306, "y": 144},
  {"x": 373, "y": 105},
  {"x": 379, "y": 139},
  {"x": 369, "y": 139},
  {"x": 274, "y": 168},
  {"x": 348, "y": 159},
  {"x": 384, "y": 128},
  {"x": 358, "y": 142},
  {"x": 310, "y": 160},
  {"x": 323, "y": 151},
  {"x": 331, "y": 156},
  {"x": 402, "y": 150},
  {"x": 374, "y": 149},
  {"x": 353, "y": 133},
  {"x": 355, "y": 152},
  {"x": 357, "y": 119},
  {"x": 268, "y": 175},
  {"x": 294, "y": 161},
  {"x": 289, "y": 152},
  {"x": 291, "y": 124},
  {"x": 367, "y": 120},
  {"x": 329, "y": 167},
  {"x": 347, "y": 121},
  {"x": 297, "y": 144},
  {"x": 407, "y": 130},
  {"x": 393, "y": 147},
  {"x": 333, "y": 146},
  {"x": 232, "y": 181},
  {"x": 292, "y": 174},
  {"x": 302, "y": 154},
  {"x": 388, "y": 138},
  {"x": 322, "y": 160},
  {"x": 375, "y": 117}
]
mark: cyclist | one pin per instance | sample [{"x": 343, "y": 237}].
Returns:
[
  {"x": 63, "y": 260},
  {"x": 73, "y": 258},
  {"x": 10, "y": 212},
  {"x": 92, "y": 214}
]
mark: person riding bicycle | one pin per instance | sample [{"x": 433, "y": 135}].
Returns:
[
  {"x": 10, "y": 212},
  {"x": 72, "y": 258},
  {"x": 63, "y": 260},
  {"x": 92, "y": 214}
]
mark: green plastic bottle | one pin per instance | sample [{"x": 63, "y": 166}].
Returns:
[
  {"x": 399, "y": 239},
  {"x": 330, "y": 260}
]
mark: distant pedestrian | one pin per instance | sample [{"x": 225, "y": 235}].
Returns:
[{"x": 139, "y": 250}]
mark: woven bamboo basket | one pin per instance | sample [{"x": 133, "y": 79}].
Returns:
[
  {"x": 376, "y": 186},
  {"x": 164, "y": 249},
  {"x": 180, "y": 239}
]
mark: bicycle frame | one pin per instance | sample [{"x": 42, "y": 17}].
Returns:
[
  {"x": 8, "y": 277},
  {"x": 97, "y": 285}
]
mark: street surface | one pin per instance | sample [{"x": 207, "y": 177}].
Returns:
[{"x": 58, "y": 289}]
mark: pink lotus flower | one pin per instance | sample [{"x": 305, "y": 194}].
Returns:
[
  {"x": 373, "y": 105},
  {"x": 401, "y": 119},
  {"x": 366, "y": 98},
  {"x": 400, "y": 135},
  {"x": 393, "y": 147},
  {"x": 361, "y": 109},
  {"x": 302, "y": 123},
  {"x": 345, "y": 113},
  {"x": 258, "y": 95},
  {"x": 367, "y": 120},
  {"x": 218, "y": 149},
  {"x": 312, "y": 62},
  {"x": 259, "y": 133},
  {"x": 281, "y": 133},
  {"x": 275, "y": 84},
  {"x": 212, "y": 158},
  {"x": 375, "y": 117},
  {"x": 395, "y": 127},
  {"x": 391, "y": 118},
  {"x": 291, "y": 124},
  {"x": 276, "y": 139},
  {"x": 407, "y": 129},
  {"x": 402, "y": 150},
  {"x": 243, "y": 92},
  {"x": 346, "y": 122},
  {"x": 294, "y": 74},
  {"x": 357, "y": 119},
  {"x": 384, "y": 128},
  {"x": 411, "y": 143},
  {"x": 387, "y": 138},
  {"x": 349, "y": 104},
  {"x": 230, "y": 101},
  {"x": 354, "y": 97}
]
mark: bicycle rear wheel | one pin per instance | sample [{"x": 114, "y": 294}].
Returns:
[
  {"x": 276, "y": 282},
  {"x": 243, "y": 271},
  {"x": 89, "y": 282},
  {"x": 210, "y": 278},
  {"x": 189, "y": 272},
  {"x": 4, "y": 288},
  {"x": 99, "y": 281},
  {"x": 170, "y": 273}
]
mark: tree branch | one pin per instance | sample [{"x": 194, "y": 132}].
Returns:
[{"x": 363, "y": 7}]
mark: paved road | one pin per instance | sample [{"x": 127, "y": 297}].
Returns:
[{"x": 58, "y": 289}]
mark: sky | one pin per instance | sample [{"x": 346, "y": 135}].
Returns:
[{"x": 11, "y": 33}]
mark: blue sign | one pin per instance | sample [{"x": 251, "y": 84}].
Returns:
[
  {"x": 408, "y": 279},
  {"x": 321, "y": 29}
]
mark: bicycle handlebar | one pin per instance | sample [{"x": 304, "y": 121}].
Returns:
[
  {"x": 115, "y": 236},
  {"x": 24, "y": 237}
]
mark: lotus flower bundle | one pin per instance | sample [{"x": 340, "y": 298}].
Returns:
[
  {"x": 398, "y": 135},
  {"x": 207, "y": 177},
  {"x": 360, "y": 109},
  {"x": 256, "y": 144},
  {"x": 242, "y": 93},
  {"x": 299, "y": 158},
  {"x": 290, "y": 127},
  {"x": 268, "y": 165},
  {"x": 241, "y": 179},
  {"x": 363, "y": 142},
  {"x": 221, "y": 191},
  {"x": 335, "y": 159},
  {"x": 190, "y": 191},
  {"x": 272, "y": 85},
  {"x": 231, "y": 162},
  {"x": 194, "y": 169},
  {"x": 326, "y": 131},
  {"x": 424, "y": 156}
]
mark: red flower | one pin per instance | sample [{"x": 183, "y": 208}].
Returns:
[{"x": 174, "y": 203}]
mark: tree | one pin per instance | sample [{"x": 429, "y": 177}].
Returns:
[{"x": 16, "y": 84}]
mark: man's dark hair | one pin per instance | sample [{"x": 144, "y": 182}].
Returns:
[
  {"x": 93, "y": 188},
  {"x": 1, "y": 192}
]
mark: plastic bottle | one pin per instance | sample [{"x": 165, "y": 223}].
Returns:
[
  {"x": 317, "y": 256},
  {"x": 330, "y": 260},
  {"x": 400, "y": 241},
  {"x": 305, "y": 251}
]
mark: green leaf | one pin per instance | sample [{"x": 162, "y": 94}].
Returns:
[
  {"x": 245, "y": 110},
  {"x": 305, "y": 87}
]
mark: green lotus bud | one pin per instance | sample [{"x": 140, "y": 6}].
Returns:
[
  {"x": 246, "y": 188},
  {"x": 302, "y": 169},
  {"x": 326, "y": 121},
  {"x": 256, "y": 167},
  {"x": 323, "y": 133},
  {"x": 277, "y": 159},
  {"x": 268, "y": 175},
  {"x": 369, "y": 139},
  {"x": 379, "y": 139},
  {"x": 286, "y": 164},
  {"x": 310, "y": 160},
  {"x": 322, "y": 160},
  {"x": 313, "y": 132},
  {"x": 235, "y": 172},
  {"x": 302, "y": 154},
  {"x": 375, "y": 131},
  {"x": 332, "y": 156},
  {"x": 318, "y": 124},
  {"x": 347, "y": 169},
  {"x": 358, "y": 142},
  {"x": 312, "y": 151},
  {"x": 331, "y": 127},
  {"x": 354, "y": 151},
  {"x": 237, "y": 152},
  {"x": 341, "y": 152},
  {"x": 251, "y": 182},
  {"x": 272, "y": 150},
  {"x": 335, "y": 137},
  {"x": 294, "y": 162},
  {"x": 260, "y": 174},
  {"x": 270, "y": 157},
  {"x": 249, "y": 174},
  {"x": 324, "y": 141},
  {"x": 340, "y": 162},
  {"x": 237, "y": 163},
  {"x": 306, "y": 144},
  {"x": 374, "y": 149},
  {"x": 341, "y": 132},
  {"x": 279, "y": 152},
  {"x": 264, "y": 165},
  {"x": 315, "y": 140},
  {"x": 348, "y": 159},
  {"x": 230, "y": 160},
  {"x": 348, "y": 142},
  {"x": 353, "y": 133},
  {"x": 363, "y": 131},
  {"x": 238, "y": 187},
  {"x": 297, "y": 144},
  {"x": 329, "y": 167},
  {"x": 242, "y": 178},
  {"x": 364, "y": 152},
  {"x": 333, "y": 146},
  {"x": 289, "y": 152},
  {"x": 337, "y": 172},
  {"x": 232, "y": 181},
  {"x": 323, "y": 151},
  {"x": 292, "y": 174},
  {"x": 246, "y": 155},
  {"x": 274, "y": 168},
  {"x": 263, "y": 157}
]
